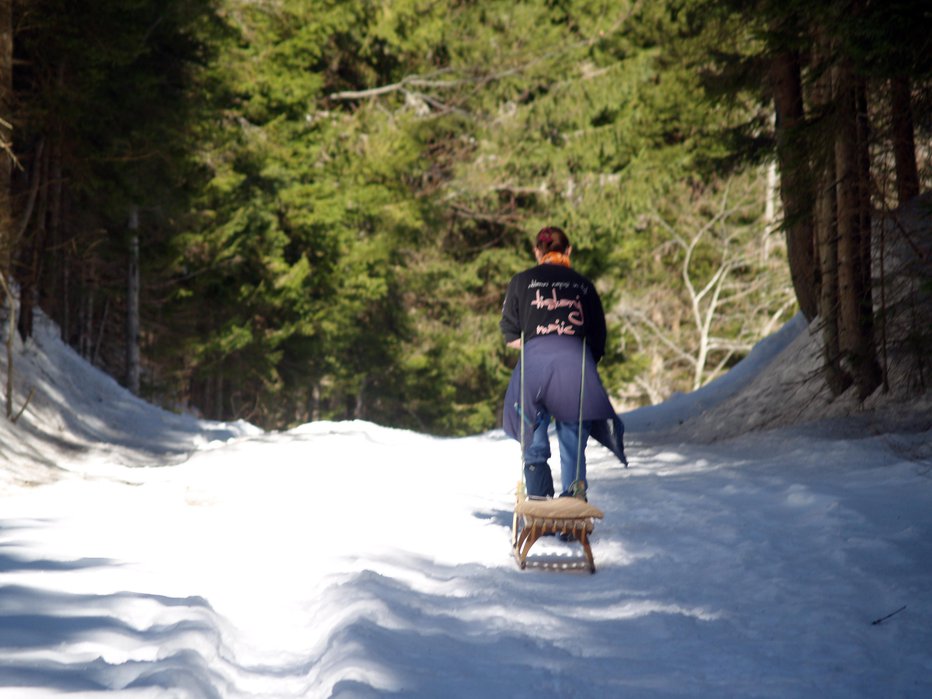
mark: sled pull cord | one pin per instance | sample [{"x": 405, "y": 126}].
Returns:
[
  {"x": 521, "y": 401},
  {"x": 521, "y": 411},
  {"x": 579, "y": 426},
  {"x": 520, "y": 490}
]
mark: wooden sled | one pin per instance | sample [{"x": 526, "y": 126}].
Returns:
[{"x": 566, "y": 515}]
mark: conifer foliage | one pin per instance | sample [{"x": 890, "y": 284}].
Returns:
[
  {"x": 843, "y": 77},
  {"x": 100, "y": 116},
  {"x": 328, "y": 197}
]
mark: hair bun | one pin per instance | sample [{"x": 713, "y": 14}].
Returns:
[{"x": 552, "y": 239}]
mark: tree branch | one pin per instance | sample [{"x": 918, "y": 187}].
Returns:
[
  {"x": 658, "y": 332},
  {"x": 481, "y": 79}
]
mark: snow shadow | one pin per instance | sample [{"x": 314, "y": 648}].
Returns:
[
  {"x": 10, "y": 563},
  {"x": 462, "y": 631},
  {"x": 72, "y": 642},
  {"x": 67, "y": 642},
  {"x": 497, "y": 517}
]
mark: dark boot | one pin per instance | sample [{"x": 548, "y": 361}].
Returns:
[{"x": 539, "y": 481}]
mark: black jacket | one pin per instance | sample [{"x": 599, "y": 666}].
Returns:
[{"x": 551, "y": 299}]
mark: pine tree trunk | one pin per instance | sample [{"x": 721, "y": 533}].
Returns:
[
  {"x": 6, "y": 169},
  {"x": 827, "y": 234},
  {"x": 847, "y": 211},
  {"x": 904, "y": 147},
  {"x": 795, "y": 181},
  {"x": 835, "y": 376},
  {"x": 54, "y": 297},
  {"x": 865, "y": 190},
  {"x": 854, "y": 322},
  {"x": 315, "y": 402},
  {"x": 132, "y": 305},
  {"x": 31, "y": 240},
  {"x": 6, "y": 137},
  {"x": 866, "y": 226},
  {"x": 86, "y": 323},
  {"x": 359, "y": 406},
  {"x": 66, "y": 295},
  {"x": 219, "y": 398},
  {"x": 10, "y": 337}
]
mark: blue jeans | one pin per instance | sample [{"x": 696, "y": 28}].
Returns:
[{"x": 537, "y": 473}]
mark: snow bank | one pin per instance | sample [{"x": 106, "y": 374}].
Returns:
[
  {"x": 681, "y": 407},
  {"x": 76, "y": 413}
]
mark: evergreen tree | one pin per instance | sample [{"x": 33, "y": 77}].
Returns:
[
  {"x": 102, "y": 107},
  {"x": 826, "y": 66},
  {"x": 332, "y": 195},
  {"x": 377, "y": 177}
]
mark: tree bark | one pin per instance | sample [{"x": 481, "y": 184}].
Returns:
[
  {"x": 865, "y": 190},
  {"x": 6, "y": 136},
  {"x": 6, "y": 170},
  {"x": 835, "y": 376},
  {"x": 904, "y": 147},
  {"x": 31, "y": 240},
  {"x": 132, "y": 305},
  {"x": 86, "y": 321},
  {"x": 854, "y": 321},
  {"x": 795, "y": 180},
  {"x": 53, "y": 297},
  {"x": 10, "y": 335},
  {"x": 866, "y": 225},
  {"x": 826, "y": 231}
]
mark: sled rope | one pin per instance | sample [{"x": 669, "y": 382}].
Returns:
[
  {"x": 520, "y": 492},
  {"x": 521, "y": 412},
  {"x": 579, "y": 425}
]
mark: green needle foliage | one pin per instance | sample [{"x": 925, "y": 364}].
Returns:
[{"x": 335, "y": 193}]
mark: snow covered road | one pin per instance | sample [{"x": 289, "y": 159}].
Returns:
[
  {"x": 345, "y": 559},
  {"x": 147, "y": 554}
]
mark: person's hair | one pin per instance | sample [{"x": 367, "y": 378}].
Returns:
[{"x": 551, "y": 239}]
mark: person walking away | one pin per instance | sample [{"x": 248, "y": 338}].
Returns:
[{"x": 559, "y": 314}]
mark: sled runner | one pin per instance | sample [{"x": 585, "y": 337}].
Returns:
[{"x": 568, "y": 516}]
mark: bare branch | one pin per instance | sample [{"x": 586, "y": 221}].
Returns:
[
  {"x": 660, "y": 335},
  {"x": 480, "y": 80},
  {"x": 733, "y": 304},
  {"x": 19, "y": 414}
]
